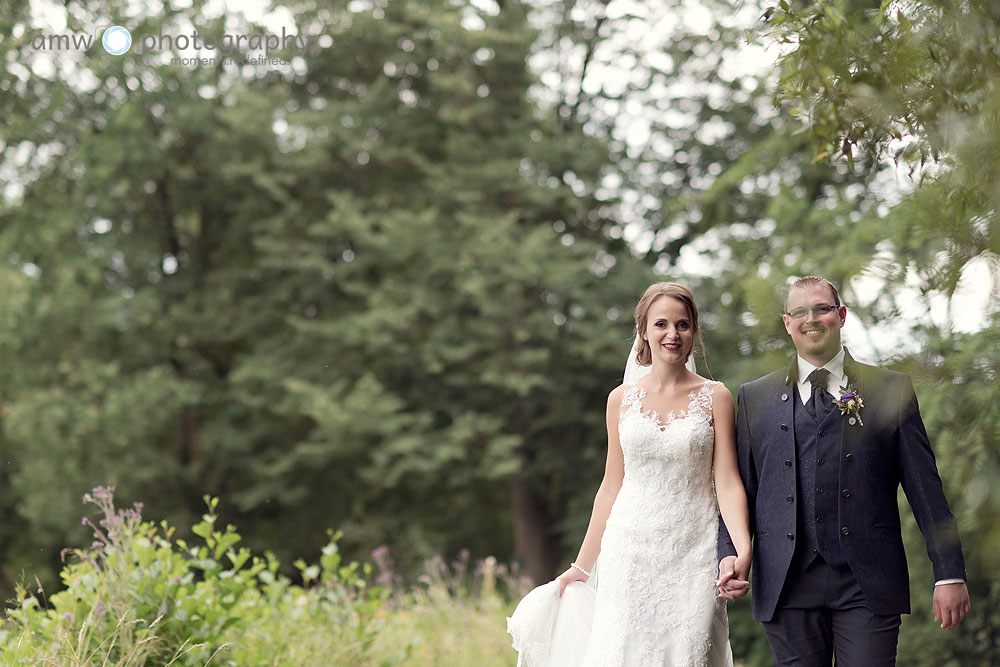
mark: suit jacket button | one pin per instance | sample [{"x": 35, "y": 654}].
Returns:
[
  {"x": 789, "y": 498},
  {"x": 846, "y": 493},
  {"x": 819, "y": 519},
  {"x": 819, "y": 489},
  {"x": 819, "y": 461},
  {"x": 849, "y": 456},
  {"x": 821, "y": 433},
  {"x": 790, "y": 536},
  {"x": 784, "y": 397},
  {"x": 845, "y": 531},
  {"x": 784, "y": 427},
  {"x": 788, "y": 464},
  {"x": 852, "y": 421}
]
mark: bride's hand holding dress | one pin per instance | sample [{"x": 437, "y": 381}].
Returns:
[{"x": 569, "y": 576}]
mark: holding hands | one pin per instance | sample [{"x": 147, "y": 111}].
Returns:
[{"x": 734, "y": 577}]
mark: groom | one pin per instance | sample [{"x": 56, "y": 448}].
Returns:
[{"x": 829, "y": 572}]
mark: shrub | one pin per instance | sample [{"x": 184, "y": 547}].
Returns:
[{"x": 139, "y": 595}]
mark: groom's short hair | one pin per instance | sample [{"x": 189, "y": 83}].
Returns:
[{"x": 807, "y": 281}]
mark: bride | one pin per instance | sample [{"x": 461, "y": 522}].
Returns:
[{"x": 654, "y": 521}]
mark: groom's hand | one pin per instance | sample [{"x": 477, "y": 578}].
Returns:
[
  {"x": 730, "y": 587},
  {"x": 951, "y": 604}
]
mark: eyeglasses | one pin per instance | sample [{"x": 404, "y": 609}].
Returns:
[{"x": 817, "y": 311}]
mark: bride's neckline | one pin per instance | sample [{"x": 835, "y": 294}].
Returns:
[{"x": 672, "y": 416}]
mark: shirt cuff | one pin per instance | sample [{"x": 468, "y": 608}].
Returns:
[{"x": 949, "y": 581}]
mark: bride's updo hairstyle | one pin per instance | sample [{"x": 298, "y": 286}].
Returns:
[{"x": 675, "y": 291}]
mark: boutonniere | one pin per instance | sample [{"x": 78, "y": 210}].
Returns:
[{"x": 850, "y": 402}]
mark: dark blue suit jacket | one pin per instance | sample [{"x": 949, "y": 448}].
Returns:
[{"x": 889, "y": 450}]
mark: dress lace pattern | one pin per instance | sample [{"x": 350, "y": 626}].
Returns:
[{"x": 656, "y": 598}]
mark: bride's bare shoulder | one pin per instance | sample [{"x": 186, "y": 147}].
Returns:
[
  {"x": 721, "y": 395},
  {"x": 616, "y": 396}
]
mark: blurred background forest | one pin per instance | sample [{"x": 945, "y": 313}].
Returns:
[{"x": 387, "y": 285}]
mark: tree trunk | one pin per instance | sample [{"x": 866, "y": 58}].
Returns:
[{"x": 534, "y": 543}]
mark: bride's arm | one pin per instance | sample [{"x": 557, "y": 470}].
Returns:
[
  {"x": 728, "y": 484},
  {"x": 614, "y": 472}
]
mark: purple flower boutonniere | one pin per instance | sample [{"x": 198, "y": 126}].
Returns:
[{"x": 850, "y": 402}]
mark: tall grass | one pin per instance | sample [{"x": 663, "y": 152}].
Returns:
[{"x": 140, "y": 596}]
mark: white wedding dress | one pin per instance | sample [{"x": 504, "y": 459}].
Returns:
[{"x": 656, "y": 601}]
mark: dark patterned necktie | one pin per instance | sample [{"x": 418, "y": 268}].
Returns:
[{"x": 820, "y": 403}]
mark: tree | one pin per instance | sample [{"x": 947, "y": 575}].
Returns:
[
  {"x": 362, "y": 291},
  {"x": 915, "y": 82}
]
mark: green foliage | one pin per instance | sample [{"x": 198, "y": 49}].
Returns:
[
  {"x": 915, "y": 82},
  {"x": 326, "y": 292},
  {"x": 140, "y": 596}
]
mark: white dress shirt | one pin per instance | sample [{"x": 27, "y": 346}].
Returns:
[{"x": 834, "y": 381}]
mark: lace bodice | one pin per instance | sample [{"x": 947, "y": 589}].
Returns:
[
  {"x": 699, "y": 401},
  {"x": 668, "y": 460}
]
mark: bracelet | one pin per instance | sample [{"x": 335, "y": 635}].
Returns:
[{"x": 579, "y": 568}]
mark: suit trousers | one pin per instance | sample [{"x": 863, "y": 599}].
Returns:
[{"x": 821, "y": 613}]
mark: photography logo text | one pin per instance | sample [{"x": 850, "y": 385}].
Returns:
[{"x": 189, "y": 48}]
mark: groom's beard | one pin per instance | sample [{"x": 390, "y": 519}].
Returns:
[{"x": 827, "y": 339}]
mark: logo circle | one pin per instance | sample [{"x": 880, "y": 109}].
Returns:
[{"x": 117, "y": 40}]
